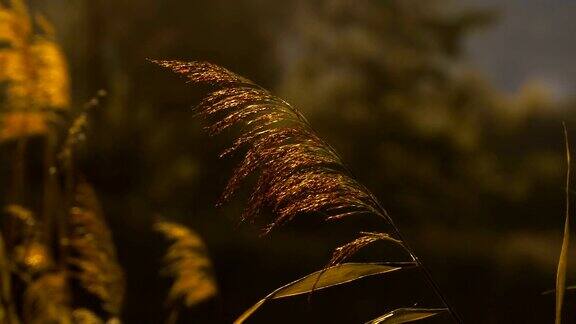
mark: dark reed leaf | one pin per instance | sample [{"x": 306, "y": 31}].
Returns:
[
  {"x": 333, "y": 276},
  {"x": 406, "y": 315}
]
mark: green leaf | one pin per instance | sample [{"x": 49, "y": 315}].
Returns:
[
  {"x": 336, "y": 275},
  {"x": 405, "y": 315}
]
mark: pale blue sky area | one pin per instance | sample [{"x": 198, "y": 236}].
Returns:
[{"x": 533, "y": 39}]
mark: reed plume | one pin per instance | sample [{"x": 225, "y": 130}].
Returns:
[
  {"x": 29, "y": 252},
  {"x": 47, "y": 300},
  {"x": 70, "y": 239},
  {"x": 342, "y": 253},
  {"x": 85, "y": 316},
  {"x": 92, "y": 251},
  {"x": 34, "y": 71},
  {"x": 187, "y": 262},
  {"x": 17, "y": 125},
  {"x": 51, "y": 81},
  {"x": 34, "y": 66},
  {"x": 298, "y": 173}
]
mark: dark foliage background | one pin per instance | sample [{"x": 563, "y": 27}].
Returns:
[{"x": 471, "y": 173}]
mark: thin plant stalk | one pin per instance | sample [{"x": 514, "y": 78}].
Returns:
[
  {"x": 19, "y": 170},
  {"x": 50, "y": 185},
  {"x": 420, "y": 265},
  {"x": 563, "y": 259}
]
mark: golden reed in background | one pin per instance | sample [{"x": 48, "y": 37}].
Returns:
[
  {"x": 56, "y": 259},
  {"x": 33, "y": 72}
]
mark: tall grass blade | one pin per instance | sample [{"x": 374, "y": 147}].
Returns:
[
  {"x": 406, "y": 315},
  {"x": 563, "y": 259}
]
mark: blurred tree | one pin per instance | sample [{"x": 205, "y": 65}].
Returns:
[{"x": 418, "y": 123}]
